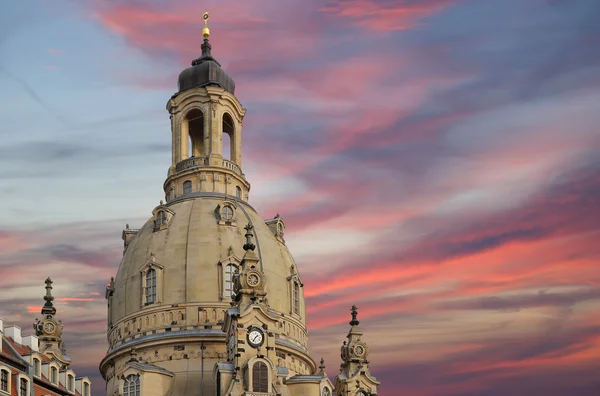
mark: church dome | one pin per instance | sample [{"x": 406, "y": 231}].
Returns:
[
  {"x": 205, "y": 71},
  {"x": 191, "y": 251}
]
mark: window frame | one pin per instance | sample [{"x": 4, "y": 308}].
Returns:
[
  {"x": 70, "y": 383},
  {"x": 187, "y": 187},
  {"x": 150, "y": 284},
  {"x": 260, "y": 384},
  {"x": 158, "y": 287},
  {"x": 4, "y": 369},
  {"x": 296, "y": 297},
  {"x": 36, "y": 363},
  {"x": 222, "y": 208},
  {"x": 132, "y": 379},
  {"x": 23, "y": 391},
  {"x": 229, "y": 270},
  {"x": 227, "y": 213},
  {"x": 53, "y": 374}
]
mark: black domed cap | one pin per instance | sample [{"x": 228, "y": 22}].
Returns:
[{"x": 205, "y": 71}]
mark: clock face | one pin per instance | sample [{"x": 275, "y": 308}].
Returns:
[
  {"x": 255, "y": 337},
  {"x": 359, "y": 350},
  {"x": 253, "y": 280},
  {"x": 49, "y": 327}
]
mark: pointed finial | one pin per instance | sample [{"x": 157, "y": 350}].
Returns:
[
  {"x": 152, "y": 258},
  {"x": 133, "y": 354},
  {"x": 249, "y": 245},
  {"x": 206, "y": 30},
  {"x": 322, "y": 366},
  {"x": 354, "y": 310},
  {"x": 48, "y": 308}
]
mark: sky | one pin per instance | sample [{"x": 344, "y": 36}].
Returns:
[{"x": 435, "y": 161}]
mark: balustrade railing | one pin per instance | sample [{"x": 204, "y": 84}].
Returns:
[{"x": 196, "y": 162}]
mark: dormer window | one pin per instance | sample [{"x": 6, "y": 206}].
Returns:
[
  {"x": 70, "y": 383},
  {"x": 187, "y": 187},
  {"x": 152, "y": 281},
  {"x": 229, "y": 272},
  {"x": 161, "y": 218},
  {"x": 277, "y": 227},
  {"x": 86, "y": 389},
  {"x": 36, "y": 367},
  {"x": 225, "y": 213},
  {"x": 54, "y": 375}
]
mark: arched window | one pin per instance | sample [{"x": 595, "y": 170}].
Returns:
[
  {"x": 260, "y": 377},
  {"x": 228, "y": 138},
  {"x": 161, "y": 218},
  {"x": 227, "y": 213},
  {"x": 36, "y": 367},
  {"x": 326, "y": 392},
  {"x": 54, "y": 375},
  {"x": 192, "y": 134},
  {"x": 150, "y": 286},
  {"x": 86, "y": 389},
  {"x": 187, "y": 187},
  {"x": 4, "y": 380},
  {"x": 296, "y": 299},
  {"x": 238, "y": 192},
  {"x": 70, "y": 383},
  {"x": 131, "y": 387},
  {"x": 23, "y": 387},
  {"x": 229, "y": 271}
]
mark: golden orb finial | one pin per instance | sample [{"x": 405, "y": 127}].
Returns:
[{"x": 206, "y": 30}]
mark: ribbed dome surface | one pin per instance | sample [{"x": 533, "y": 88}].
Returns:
[{"x": 190, "y": 250}]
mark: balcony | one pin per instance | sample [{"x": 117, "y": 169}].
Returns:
[
  {"x": 197, "y": 162},
  {"x": 192, "y": 162}
]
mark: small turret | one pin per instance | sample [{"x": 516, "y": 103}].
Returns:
[
  {"x": 354, "y": 371},
  {"x": 49, "y": 330}
]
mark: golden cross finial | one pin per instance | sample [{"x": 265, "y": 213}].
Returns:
[{"x": 206, "y": 30}]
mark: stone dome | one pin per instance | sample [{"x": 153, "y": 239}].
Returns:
[
  {"x": 205, "y": 71},
  {"x": 190, "y": 253}
]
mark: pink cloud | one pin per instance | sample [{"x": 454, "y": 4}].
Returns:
[{"x": 385, "y": 15}]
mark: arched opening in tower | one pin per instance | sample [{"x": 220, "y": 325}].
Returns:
[
  {"x": 195, "y": 120},
  {"x": 228, "y": 138}
]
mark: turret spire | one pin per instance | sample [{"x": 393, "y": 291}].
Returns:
[
  {"x": 354, "y": 311},
  {"x": 48, "y": 308}
]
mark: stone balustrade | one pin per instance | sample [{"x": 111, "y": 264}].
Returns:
[{"x": 197, "y": 162}]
